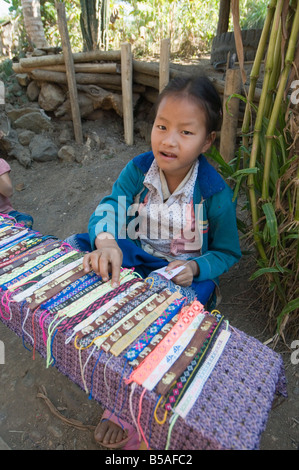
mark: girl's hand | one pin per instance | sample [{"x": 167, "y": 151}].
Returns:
[
  {"x": 106, "y": 258},
  {"x": 185, "y": 277}
]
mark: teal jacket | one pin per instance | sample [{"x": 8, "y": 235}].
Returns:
[{"x": 220, "y": 242}]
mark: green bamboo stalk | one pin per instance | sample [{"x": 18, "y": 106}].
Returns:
[
  {"x": 275, "y": 74},
  {"x": 278, "y": 101},
  {"x": 255, "y": 71},
  {"x": 258, "y": 128}
]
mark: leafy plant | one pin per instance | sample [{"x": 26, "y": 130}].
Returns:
[{"x": 269, "y": 152}]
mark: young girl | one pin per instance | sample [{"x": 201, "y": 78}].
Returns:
[
  {"x": 169, "y": 207},
  {"x": 6, "y": 191}
]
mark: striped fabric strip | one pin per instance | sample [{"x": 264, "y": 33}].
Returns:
[
  {"x": 131, "y": 336},
  {"x": 154, "y": 342},
  {"x": 81, "y": 304},
  {"x": 181, "y": 385},
  {"x": 112, "y": 331},
  {"x": 195, "y": 389},
  {"x": 110, "y": 322},
  {"x": 173, "y": 354},
  {"x": 32, "y": 253},
  {"x": 202, "y": 333},
  {"x": 51, "y": 288},
  {"x": 154, "y": 329},
  {"x": 66, "y": 294},
  {"x": 22, "y": 247},
  {"x": 37, "y": 262},
  {"x": 71, "y": 321},
  {"x": 109, "y": 310},
  {"x": 140, "y": 374},
  {"x": 42, "y": 278}
]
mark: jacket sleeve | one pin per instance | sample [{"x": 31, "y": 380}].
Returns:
[
  {"x": 223, "y": 241},
  {"x": 111, "y": 213}
]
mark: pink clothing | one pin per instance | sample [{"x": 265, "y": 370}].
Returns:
[{"x": 5, "y": 204}]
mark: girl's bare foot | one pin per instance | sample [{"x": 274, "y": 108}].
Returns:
[{"x": 110, "y": 433}]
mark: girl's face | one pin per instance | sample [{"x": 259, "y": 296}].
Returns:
[{"x": 178, "y": 137}]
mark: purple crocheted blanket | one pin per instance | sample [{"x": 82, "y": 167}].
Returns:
[{"x": 230, "y": 413}]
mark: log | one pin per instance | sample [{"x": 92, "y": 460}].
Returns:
[
  {"x": 228, "y": 136},
  {"x": 149, "y": 68},
  {"x": 147, "y": 80},
  {"x": 70, "y": 71},
  {"x": 102, "y": 98},
  {"x": 57, "y": 59},
  {"x": 151, "y": 95},
  {"x": 127, "y": 94},
  {"x": 83, "y": 78},
  {"x": 164, "y": 64},
  {"x": 82, "y": 67}
]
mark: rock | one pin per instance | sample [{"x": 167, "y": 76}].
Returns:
[
  {"x": 23, "y": 79},
  {"x": 32, "y": 91},
  {"x": 21, "y": 153},
  {"x": 65, "y": 136},
  {"x": 15, "y": 113},
  {"x": 20, "y": 187},
  {"x": 43, "y": 149},
  {"x": 51, "y": 96},
  {"x": 67, "y": 153},
  {"x": 34, "y": 121},
  {"x": 25, "y": 137},
  {"x": 38, "y": 52}
]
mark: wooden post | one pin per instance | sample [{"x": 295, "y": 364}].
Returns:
[
  {"x": 164, "y": 64},
  {"x": 229, "y": 127},
  {"x": 70, "y": 71},
  {"x": 127, "y": 92}
]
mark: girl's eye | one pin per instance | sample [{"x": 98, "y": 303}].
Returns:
[
  {"x": 186, "y": 132},
  {"x": 161, "y": 127}
]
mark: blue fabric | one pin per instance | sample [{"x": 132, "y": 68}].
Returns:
[
  {"x": 21, "y": 218},
  {"x": 220, "y": 240},
  {"x": 145, "y": 264},
  {"x": 208, "y": 179}
]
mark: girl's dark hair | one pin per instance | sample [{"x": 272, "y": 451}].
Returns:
[{"x": 202, "y": 89}]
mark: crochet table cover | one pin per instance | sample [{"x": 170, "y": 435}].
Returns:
[{"x": 231, "y": 411}]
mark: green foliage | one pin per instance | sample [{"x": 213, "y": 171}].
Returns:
[
  {"x": 265, "y": 173},
  {"x": 6, "y": 69},
  {"x": 191, "y": 25},
  {"x": 49, "y": 19},
  {"x": 253, "y": 13}
]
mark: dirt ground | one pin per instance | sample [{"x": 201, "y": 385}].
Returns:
[{"x": 61, "y": 197}]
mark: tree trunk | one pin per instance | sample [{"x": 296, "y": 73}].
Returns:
[
  {"x": 223, "y": 20},
  {"x": 33, "y": 23},
  {"x": 94, "y": 23}
]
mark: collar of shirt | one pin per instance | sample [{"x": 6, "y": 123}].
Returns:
[{"x": 155, "y": 180}]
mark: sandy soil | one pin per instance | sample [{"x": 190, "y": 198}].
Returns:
[{"x": 61, "y": 197}]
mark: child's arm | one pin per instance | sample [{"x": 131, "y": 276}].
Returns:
[
  {"x": 106, "y": 258},
  {"x": 6, "y": 188}
]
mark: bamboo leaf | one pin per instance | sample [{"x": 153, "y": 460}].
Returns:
[
  {"x": 226, "y": 169},
  {"x": 262, "y": 271},
  {"x": 290, "y": 307},
  {"x": 284, "y": 168},
  {"x": 278, "y": 265},
  {"x": 244, "y": 172},
  {"x": 271, "y": 223}
]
